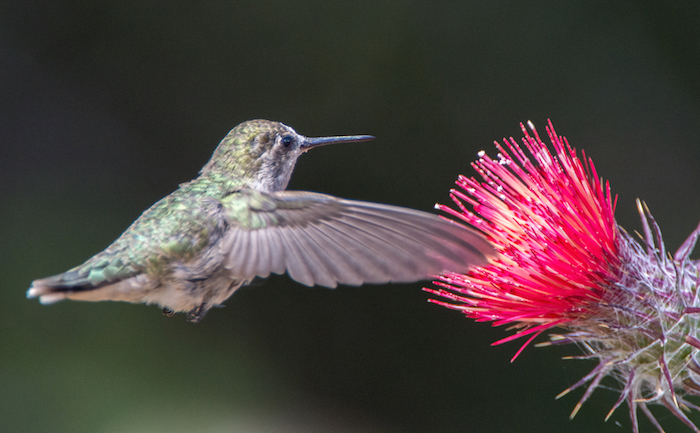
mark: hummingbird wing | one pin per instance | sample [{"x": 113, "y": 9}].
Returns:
[{"x": 324, "y": 240}]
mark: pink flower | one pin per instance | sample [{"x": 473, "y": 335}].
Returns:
[{"x": 565, "y": 263}]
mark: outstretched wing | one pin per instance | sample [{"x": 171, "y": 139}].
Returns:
[{"x": 323, "y": 240}]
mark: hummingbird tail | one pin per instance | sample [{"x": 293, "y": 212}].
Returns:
[
  {"x": 58, "y": 287},
  {"x": 72, "y": 285}
]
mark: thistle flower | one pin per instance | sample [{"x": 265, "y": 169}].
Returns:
[{"x": 565, "y": 263}]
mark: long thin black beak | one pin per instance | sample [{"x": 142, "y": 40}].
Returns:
[{"x": 311, "y": 142}]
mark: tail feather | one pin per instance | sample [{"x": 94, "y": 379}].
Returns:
[
  {"x": 46, "y": 297},
  {"x": 57, "y": 288},
  {"x": 61, "y": 286}
]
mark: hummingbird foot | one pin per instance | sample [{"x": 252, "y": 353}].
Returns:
[
  {"x": 197, "y": 313},
  {"x": 168, "y": 312}
]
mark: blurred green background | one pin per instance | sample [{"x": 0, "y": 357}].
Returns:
[{"x": 105, "y": 107}]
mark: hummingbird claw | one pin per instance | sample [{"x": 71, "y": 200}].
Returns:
[
  {"x": 168, "y": 312},
  {"x": 196, "y": 314}
]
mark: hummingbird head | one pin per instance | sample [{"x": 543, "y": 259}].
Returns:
[{"x": 263, "y": 153}]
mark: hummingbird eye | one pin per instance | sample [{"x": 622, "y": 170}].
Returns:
[{"x": 287, "y": 140}]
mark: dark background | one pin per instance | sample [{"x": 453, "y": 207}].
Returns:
[{"x": 106, "y": 106}]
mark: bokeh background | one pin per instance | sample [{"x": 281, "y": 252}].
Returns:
[{"x": 105, "y": 107}]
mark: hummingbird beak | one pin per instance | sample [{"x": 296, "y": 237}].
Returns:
[{"x": 311, "y": 142}]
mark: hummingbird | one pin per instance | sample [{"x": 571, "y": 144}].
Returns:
[{"x": 192, "y": 249}]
